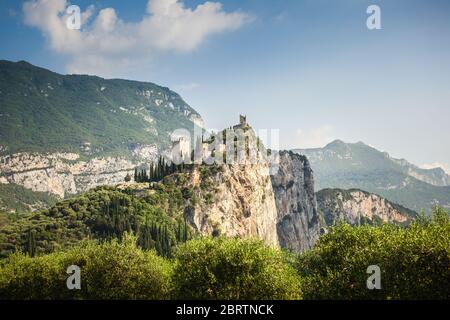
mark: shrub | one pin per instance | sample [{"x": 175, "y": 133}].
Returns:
[
  {"x": 109, "y": 270},
  {"x": 414, "y": 261},
  {"x": 233, "y": 269}
]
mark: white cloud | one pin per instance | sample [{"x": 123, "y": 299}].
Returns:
[
  {"x": 106, "y": 42},
  {"x": 443, "y": 166},
  {"x": 314, "y": 137}
]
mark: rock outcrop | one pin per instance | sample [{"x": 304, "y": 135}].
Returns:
[
  {"x": 358, "y": 207},
  {"x": 298, "y": 223},
  {"x": 266, "y": 199},
  {"x": 64, "y": 174},
  {"x": 240, "y": 202}
]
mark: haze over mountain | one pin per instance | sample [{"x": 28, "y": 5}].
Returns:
[{"x": 357, "y": 165}]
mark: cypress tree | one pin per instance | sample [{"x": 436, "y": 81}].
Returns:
[
  {"x": 151, "y": 176},
  {"x": 185, "y": 230},
  {"x": 31, "y": 246}
]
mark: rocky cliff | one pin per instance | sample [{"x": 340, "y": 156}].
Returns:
[
  {"x": 238, "y": 202},
  {"x": 267, "y": 199},
  {"x": 64, "y": 174},
  {"x": 298, "y": 225},
  {"x": 358, "y": 207}
]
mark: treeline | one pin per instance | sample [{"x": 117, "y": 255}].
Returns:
[
  {"x": 157, "y": 171},
  {"x": 414, "y": 263},
  {"x": 121, "y": 215},
  {"x": 158, "y": 237},
  {"x": 104, "y": 213},
  {"x": 205, "y": 268}
]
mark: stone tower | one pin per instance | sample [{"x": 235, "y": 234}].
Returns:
[
  {"x": 180, "y": 149},
  {"x": 242, "y": 120}
]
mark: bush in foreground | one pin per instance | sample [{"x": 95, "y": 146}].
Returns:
[
  {"x": 110, "y": 270},
  {"x": 233, "y": 269},
  {"x": 414, "y": 261}
]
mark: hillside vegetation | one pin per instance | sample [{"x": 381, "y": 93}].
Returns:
[
  {"x": 414, "y": 263},
  {"x": 155, "y": 214},
  {"x": 42, "y": 111},
  {"x": 16, "y": 198}
]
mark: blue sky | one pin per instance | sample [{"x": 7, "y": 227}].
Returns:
[{"x": 310, "y": 68}]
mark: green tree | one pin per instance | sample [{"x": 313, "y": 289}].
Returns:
[
  {"x": 233, "y": 269},
  {"x": 110, "y": 270},
  {"x": 414, "y": 261}
]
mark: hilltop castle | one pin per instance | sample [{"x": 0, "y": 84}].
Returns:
[
  {"x": 182, "y": 150},
  {"x": 242, "y": 122}
]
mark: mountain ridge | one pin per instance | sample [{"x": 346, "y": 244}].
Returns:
[
  {"x": 87, "y": 108},
  {"x": 64, "y": 134},
  {"x": 401, "y": 161},
  {"x": 357, "y": 165}
]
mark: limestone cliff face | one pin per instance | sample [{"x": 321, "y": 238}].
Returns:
[
  {"x": 298, "y": 225},
  {"x": 357, "y": 207},
  {"x": 276, "y": 204},
  {"x": 240, "y": 202},
  {"x": 63, "y": 174}
]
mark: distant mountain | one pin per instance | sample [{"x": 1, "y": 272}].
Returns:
[
  {"x": 64, "y": 134},
  {"x": 358, "y": 207},
  {"x": 357, "y": 165},
  {"x": 42, "y": 111}
]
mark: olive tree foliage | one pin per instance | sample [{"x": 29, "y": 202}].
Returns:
[
  {"x": 109, "y": 270},
  {"x": 414, "y": 261},
  {"x": 233, "y": 269}
]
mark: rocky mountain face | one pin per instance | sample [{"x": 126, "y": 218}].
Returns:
[
  {"x": 436, "y": 176},
  {"x": 247, "y": 201},
  {"x": 253, "y": 200},
  {"x": 358, "y": 207},
  {"x": 241, "y": 202},
  {"x": 356, "y": 165},
  {"x": 64, "y": 134},
  {"x": 298, "y": 225},
  {"x": 64, "y": 174}
]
